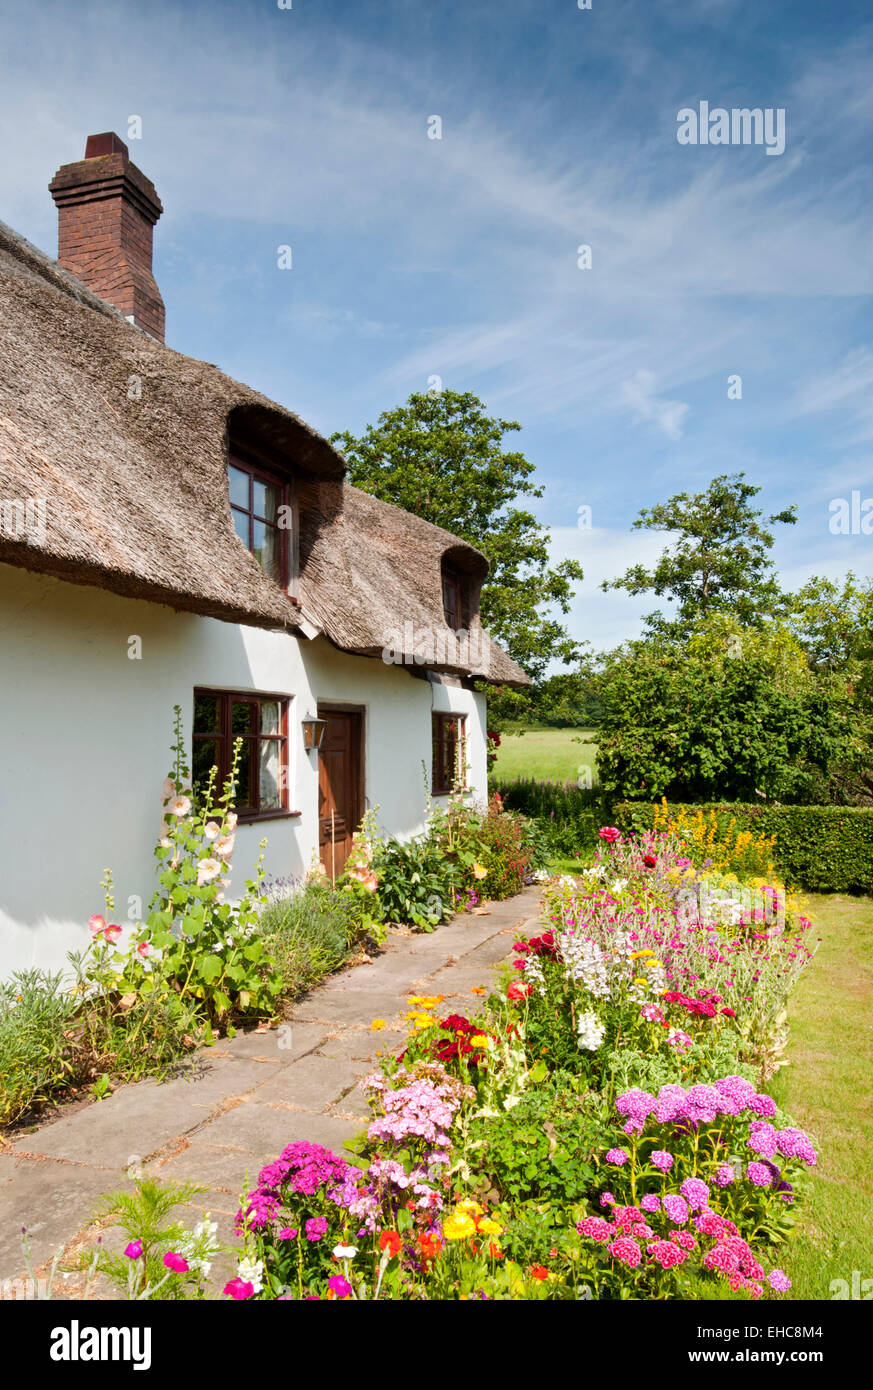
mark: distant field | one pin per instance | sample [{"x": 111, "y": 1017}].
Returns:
[{"x": 551, "y": 754}]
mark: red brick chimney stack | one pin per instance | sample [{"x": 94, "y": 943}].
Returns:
[{"x": 107, "y": 209}]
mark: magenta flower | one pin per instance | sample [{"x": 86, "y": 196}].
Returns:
[
  {"x": 288, "y": 1233},
  {"x": 133, "y": 1250},
  {"x": 663, "y": 1160},
  {"x": 239, "y": 1289},
  {"x": 340, "y": 1286},
  {"x": 316, "y": 1227},
  {"x": 778, "y": 1280},
  {"x": 617, "y": 1156},
  {"x": 177, "y": 1263}
]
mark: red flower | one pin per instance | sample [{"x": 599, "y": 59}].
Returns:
[
  {"x": 390, "y": 1241},
  {"x": 539, "y": 1272},
  {"x": 429, "y": 1246},
  {"x": 518, "y": 991},
  {"x": 650, "y": 861}
]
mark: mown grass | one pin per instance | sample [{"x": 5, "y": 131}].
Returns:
[
  {"x": 551, "y": 754},
  {"x": 827, "y": 1089}
]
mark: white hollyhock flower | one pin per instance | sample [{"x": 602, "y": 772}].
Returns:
[
  {"x": 179, "y": 805},
  {"x": 224, "y": 846},
  {"x": 211, "y": 829}
]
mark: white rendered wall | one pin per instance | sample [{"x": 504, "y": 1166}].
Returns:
[{"x": 85, "y": 743}]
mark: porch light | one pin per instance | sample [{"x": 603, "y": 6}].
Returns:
[{"x": 313, "y": 732}]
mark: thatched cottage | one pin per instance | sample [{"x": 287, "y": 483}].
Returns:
[{"x": 169, "y": 536}]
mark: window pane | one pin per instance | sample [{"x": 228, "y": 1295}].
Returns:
[
  {"x": 267, "y": 500},
  {"x": 269, "y": 716},
  {"x": 205, "y": 714},
  {"x": 265, "y": 548},
  {"x": 205, "y": 756},
  {"x": 241, "y": 717},
  {"x": 241, "y": 526},
  {"x": 271, "y": 763},
  {"x": 239, "y": 487},
  {"x": 243, "y": 790}
]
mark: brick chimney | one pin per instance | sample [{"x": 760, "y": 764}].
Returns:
[{"x": 106, "y": 211}]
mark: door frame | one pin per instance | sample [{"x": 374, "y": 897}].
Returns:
[{"x": 324, "y": 707}]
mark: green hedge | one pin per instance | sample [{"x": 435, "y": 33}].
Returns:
[{"x": 825, "y": 849}]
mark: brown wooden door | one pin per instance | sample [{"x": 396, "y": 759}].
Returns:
[{"x": 340, "y": 790}]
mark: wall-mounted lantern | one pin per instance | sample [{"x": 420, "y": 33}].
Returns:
[{"x": 313, "y": 733}]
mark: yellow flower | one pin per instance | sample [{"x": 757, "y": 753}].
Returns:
[
  {"x": 377, "y": 1024},
  {"x": 423, "y": 1022},
  {"x": 637, "y": 955},
  {"x": 650, "y": 964},
  {"x": 458, "y": 1226},
  {"x": 640, "y": 981},
  {"x": 490, "y": 1227},
  {"x": 478, "y": 989},
  {"x": 480, "y": 1040},
  {"x": 425, "y": 1001},
  {"x": 479, "y": 870},
  {"x": 470, "y": 1206}
]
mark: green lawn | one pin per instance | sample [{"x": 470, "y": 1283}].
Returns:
[
  {"x": 828, "y": 1089},
  {"x": 551, "y": 754}
]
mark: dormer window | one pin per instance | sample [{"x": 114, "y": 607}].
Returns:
[
  {"x": 260, "y": 504},
  {"x": 455, "y": 603}
]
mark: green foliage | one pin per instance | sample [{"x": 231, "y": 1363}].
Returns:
[
  {"x": 415, "y": 882},
  {"x": 725, "y": 713},
  {"x": 145, "y": 1216},
  {"x": 541, "y": 1149},
  {"x": 441, "y": 457},
  {"x": 308, "y": 933},
  {"x": 720, "y": 560},
  {"x": 36, "y": 1059},
  {"x": 825, "y": 849},
  {"x": 567, "y": 817}
]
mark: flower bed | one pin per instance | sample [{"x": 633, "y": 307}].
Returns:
[{"x": 601, "y": 1130}]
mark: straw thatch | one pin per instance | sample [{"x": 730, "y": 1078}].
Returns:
[{"x": 126, "y": 440}]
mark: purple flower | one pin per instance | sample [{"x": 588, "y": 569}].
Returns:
[
  {"x": 778, "y": 1280},
  {"x": 725, "y": 1175},
  {"x": 762, "y": 1105},
  {"x": 663, "y": 1160},
  {"x": 288, "y": 1233},
  {"x": 617, "y": 1156},
  {"x": 316, "y": 1227},
  {"x": 696, "y": 1193},
  {"x": 759, "y": 1174},
  {"x": 650, "y": 1202},
  {"x": 676, "y": 1208},
  {"x": 133, "y": 1250}
]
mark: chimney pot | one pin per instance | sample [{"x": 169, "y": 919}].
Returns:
[
  {"x": 107, "y": 210},
  {"x": 109, "y": 143}
]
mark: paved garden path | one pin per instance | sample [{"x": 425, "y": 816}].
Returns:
[{"x": 249, "y": 1097}]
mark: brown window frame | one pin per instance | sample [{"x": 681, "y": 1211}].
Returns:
[
  {"x": 456, "y": 599},
  {"x": 259, "y": 471},
  {"x": 224, "y": 737},
  {"x": 440, "y": 724}
]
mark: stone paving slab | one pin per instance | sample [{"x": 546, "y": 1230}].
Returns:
[{"x": 251, "y": 1095}]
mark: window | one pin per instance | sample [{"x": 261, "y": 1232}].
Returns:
[
  {"x": 261, "y": 721},
  {"x": 454, "y": 599},
  {"x": 449, "y": 753},
  {"x": 256, "y": 499}
]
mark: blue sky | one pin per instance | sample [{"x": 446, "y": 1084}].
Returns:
[{"x": 415, "y": 257}]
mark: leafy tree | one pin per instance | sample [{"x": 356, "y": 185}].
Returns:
[
  {"x": 833, "y": 624},
  {"x": 728, "y": 713},
  {"x": 719, "y": 561},
  {"x": 441, "y": 457}
]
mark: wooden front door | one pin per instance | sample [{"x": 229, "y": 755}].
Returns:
[{"x": 340, "y": 786}]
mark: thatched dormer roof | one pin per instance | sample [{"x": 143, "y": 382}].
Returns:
[{"x": 127, "y": 442}]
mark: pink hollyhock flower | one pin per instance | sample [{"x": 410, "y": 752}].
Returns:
[
  {"x": 177, "y": 1263},
  {"x": 133, "y": 1250},
  {"x": 143, "y": 948},
  {"x": 112, "y": 933},
  {"x": 239, "y": 1289},
  {"x": 96, "y": 924}
]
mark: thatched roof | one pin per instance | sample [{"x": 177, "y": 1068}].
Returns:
[{"x": 127, "y": 442}]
